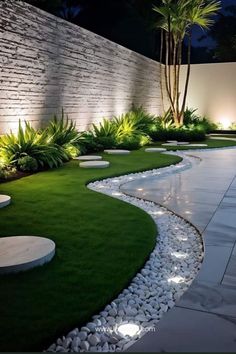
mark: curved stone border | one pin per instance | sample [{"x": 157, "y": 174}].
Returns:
[
  {"x": 20, "y": 253},
  {"x": 167, "y": 274},
  {"x": 4, "y": 200}
]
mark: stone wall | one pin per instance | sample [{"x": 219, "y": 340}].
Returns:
[{"x": 47, "y": 63}]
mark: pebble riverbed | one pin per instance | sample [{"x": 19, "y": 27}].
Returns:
[{"x": 168, "y": 273}]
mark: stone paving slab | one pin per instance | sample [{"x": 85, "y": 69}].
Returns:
[
  {"x": 205, "y": 318},
  {"x": 215, "y": 298},
  {"x": 185, "y": 330}
]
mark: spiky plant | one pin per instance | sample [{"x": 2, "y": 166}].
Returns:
[{"x": 29, "y": 142}]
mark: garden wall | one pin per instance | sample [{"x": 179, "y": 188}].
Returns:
[
  {"x": 212, "y": 90},
  {"x": 47, "y": 63}
]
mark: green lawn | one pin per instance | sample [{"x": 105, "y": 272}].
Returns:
[
  {"x": 98, "y": 251},
  {"x": 212, "y": 143},
  {"x": 101, "y": 244}
]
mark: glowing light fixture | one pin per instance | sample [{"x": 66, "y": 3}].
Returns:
[
  {"x": 128, "y": 329},
  {"x": 179, "y": 255},
  {"x": 225, "y": 123},
  {"x": 178, "y": 279},
  {"x": 116, "y": 194},
  {"x": 140, "y": 189}
]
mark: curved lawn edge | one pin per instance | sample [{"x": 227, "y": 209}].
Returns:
[
  {"x": 101, "y": 333},
  {"x": 21, "y": 295},
  {"x": 85, "y": 275}
]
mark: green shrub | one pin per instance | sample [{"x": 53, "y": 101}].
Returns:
[
  {"x": 27, "y": 164},
  {"x": 142, "y": 120},
  {"x": 192, "y": 120},
  {"x": 87, "y": 143},
  {"x": 104, "y": 134},
  {"x": 130, "y": 143},
  {"x": 232, "y": 126},
  {"x": 7, "y": 172},
  {"x": 30, "y": 142},
  {"x": 179, "y": 134},
  {"x": 62, "y": 132}
]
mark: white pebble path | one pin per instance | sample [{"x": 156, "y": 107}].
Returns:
[{"x": 167, "y": 274}]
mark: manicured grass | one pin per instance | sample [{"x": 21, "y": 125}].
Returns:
[
  {"x": 212, "y": 143},
  {"x": 101, "y": 244},
  {"x": 224, "y": 136}
]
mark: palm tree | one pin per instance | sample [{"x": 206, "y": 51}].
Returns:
[{"x": 177, "y": 17}]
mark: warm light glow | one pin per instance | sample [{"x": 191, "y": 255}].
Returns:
[
  {"x": 225, "y": 123},
  {"x": 140, "y": 189},
  {"x": 129, "y": 329},
  {"x": 178, "y": 279}
]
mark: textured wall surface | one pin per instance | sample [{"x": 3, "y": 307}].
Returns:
[
  {"x": 212, "y": 90},
  {"x": 47, "y": 63}
]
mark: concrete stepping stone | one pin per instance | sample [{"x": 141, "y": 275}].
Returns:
[
  {"x": 183, "y": 143},
  {"x": 88, "y": 158},
  {"x": 95, "y": 164},
  {"x": 4, "y": 200},
  {"x": 169, "y": 144},
  {"x": 117, "y": 152},
  {"x": 197, "y": 145},
  {"x": 20, "y": 253},
  {"x": 155, "y": 150},
  {"x": 172, "y": 141}
]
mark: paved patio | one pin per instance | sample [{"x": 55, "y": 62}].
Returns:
[{"x": 205, "y": 317}]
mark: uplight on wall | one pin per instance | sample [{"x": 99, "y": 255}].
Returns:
[{"x": 225, "y": 123}]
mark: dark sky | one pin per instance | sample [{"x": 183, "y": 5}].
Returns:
[{"x": 198, "y": 32}]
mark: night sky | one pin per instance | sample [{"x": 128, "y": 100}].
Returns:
[{"x": 198, "y": 32}]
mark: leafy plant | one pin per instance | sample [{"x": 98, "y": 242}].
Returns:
[
  {"x": 7, "y": 172},
  {"x": 232, "y": 126},
  {"x": 105, "y": 134},
  {"x": 27, "y": 164},
  {"x": 62, "y": 132},
  {"x": 29, "y": 142},
  {"x": 192, "y": 120}
]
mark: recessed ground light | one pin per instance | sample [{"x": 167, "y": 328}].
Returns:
[
  {"x": 128, "y": 329},
  {"x": 178, "y": 279},
  {"x": 116, "y": 194},
  {"x": 140, "y": 189},
  {"x": 159, "y": 212},
  {"x": 179, "y": 255}
]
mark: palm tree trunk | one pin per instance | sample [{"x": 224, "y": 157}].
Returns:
[
  {"x": 179, "y": 60},
  {"x": 161, "y": 74},
  {"x": 167, "y": 81},
  {"x": 187, "y": 78}
]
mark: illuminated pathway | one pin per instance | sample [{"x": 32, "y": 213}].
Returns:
[{"x": 205, "y": 317}]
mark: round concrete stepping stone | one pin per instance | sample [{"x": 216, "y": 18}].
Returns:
[
  {"x": 183, "y": 143},
  {"x": 20, "y": 253},
  {"x": 117, "y": 152},
  {"x": 172, "y": 141},
  {"x": 169, "y": 144},
  {"x": 155, "y": 150},
  {"x": 88, "y": 158},
  {"x": 94, "y": 164},
  {"x": 4, "y": 200},
  {"x": 197, "y": 145}
]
